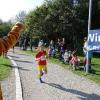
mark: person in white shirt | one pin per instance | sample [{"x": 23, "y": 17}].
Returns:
[
  {"x": 90, "y": 54},
  {"x": 66, "y": 56}
]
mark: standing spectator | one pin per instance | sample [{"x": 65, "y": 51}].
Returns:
[
  {"x": 51, "y": 45},
  {"x": 85, "y": 52},
  {"x": 63, "y": 43},
  {"x": 58, "y": 45},
  {"x": 51, "y": 48},
  {"x": 85, "y": 46},
  {"x": 90, "y": 54},
  {"x": 40, "y": 43}
]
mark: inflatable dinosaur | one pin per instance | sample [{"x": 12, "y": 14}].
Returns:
[{"x": 9, "y": 41}]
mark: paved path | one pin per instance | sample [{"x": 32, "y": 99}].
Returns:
[
  {"x": 8, "y": 87},
  {"x": 59, "y": 85}
]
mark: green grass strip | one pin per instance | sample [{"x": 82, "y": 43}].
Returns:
[{"x": 5, "y": 68}]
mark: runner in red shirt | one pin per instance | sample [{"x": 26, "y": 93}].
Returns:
[{"x": 41, "y": 58}]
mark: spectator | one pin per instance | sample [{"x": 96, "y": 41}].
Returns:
[
  {"x": 61, "y": 53},
  {"x": 58, "y": 45},
  {"x": 40, "y": 43},
  {"x": 53, "y": 52},
  {"x": 66, "y": 56},
  {"x": 51, "y": 48},
  {"x": 74, "y": 62},
  {"x": 90, "y": 55},
  {"x": 49, "y": 52}
]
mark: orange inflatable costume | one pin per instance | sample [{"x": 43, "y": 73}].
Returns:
[{"x": 9, "y": 41}]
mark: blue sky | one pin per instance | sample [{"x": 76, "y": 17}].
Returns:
[{"x": 10, "y": 8}]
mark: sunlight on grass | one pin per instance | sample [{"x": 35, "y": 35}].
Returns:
[
  {"x": 5, "y": 68},
  {"x": 96, "y": 61}
]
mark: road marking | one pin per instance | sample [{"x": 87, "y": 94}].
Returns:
[{"x": 18, "y": 83}]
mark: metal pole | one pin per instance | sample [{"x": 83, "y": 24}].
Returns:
[
  {"x": 89, "y": 18},
  {"x": 89, "y": 27}
]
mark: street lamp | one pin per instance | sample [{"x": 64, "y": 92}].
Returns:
[{"x": 89, "y": 27}]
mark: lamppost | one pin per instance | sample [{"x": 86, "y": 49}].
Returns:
[{"x": 89, "y": 27}]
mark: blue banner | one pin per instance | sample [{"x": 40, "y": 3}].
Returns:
[{"x": 94, "y": 40}]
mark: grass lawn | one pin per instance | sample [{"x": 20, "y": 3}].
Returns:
[
  {"x": 5, "y": 68},
  {"x": 94, "y": 75}
]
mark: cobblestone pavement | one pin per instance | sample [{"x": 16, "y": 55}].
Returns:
[{"x": 60, "y": 84}]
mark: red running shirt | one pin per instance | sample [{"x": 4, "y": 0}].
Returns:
[{"x": 41, "y": 55}]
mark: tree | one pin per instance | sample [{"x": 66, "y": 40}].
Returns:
[
  {"x": 59, "y": 18},
  {"x": 20, "y": 16},
  {"x": 4, "y": 29}
]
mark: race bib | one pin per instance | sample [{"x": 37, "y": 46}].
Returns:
[{"x": 43, "y": 58}]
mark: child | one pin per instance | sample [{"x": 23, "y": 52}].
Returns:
[
  {"x": 74, "y": 61},
  {"x": 66, "y": 57},
  {"x": 41, "y": 58}
]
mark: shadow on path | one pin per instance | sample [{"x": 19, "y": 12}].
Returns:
[
  {"x": 16, "y": 67},
  {"x": 23, "y": 61},
  {"x": 12, "y": 56},
  {"x": 24, "y": 54},
  {"x": 83, "y": 95},
  {"x": 19, "y": 60}
]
